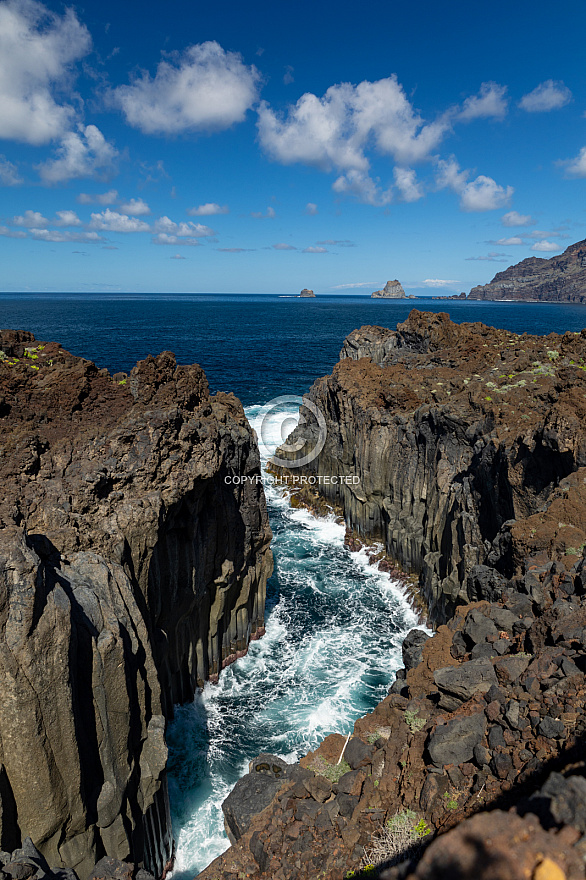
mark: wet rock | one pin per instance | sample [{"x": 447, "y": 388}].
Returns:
[{"x": 253, "y": 792}]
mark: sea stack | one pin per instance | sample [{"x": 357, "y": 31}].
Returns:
[
  {"x": 306, "y": 292},
  {"x": 391, "y": 290}
]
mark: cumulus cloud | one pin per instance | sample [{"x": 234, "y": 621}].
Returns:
[
  {"x": 37, "y": 51},
  {"x": 56, "y": 236},
  {"x": 8, "y": 173},
  {"x": 281, "y": 246},
  {"x": 575, "y": 167},
  {"x": 210, "y": 209},
  {"x": 514, "y": 240},
  {"x": 546, "y": 246},
  {"x": 406, "y": 182},
  {"x": 363, "y": 187},
  {"x": 314, "y": 250},
  {"x": 311, "y": 209},
  {"x": 107, "y": 198},
  {"x": 258, "y": 215},
  {"x": 12, "y": 233},
  {"x": 489, "y": 103},
  {"x": 169, "y": 227},
  {"x": 112, "y": 221},
  {"x": 165, "y": 238},
  {"x": 481, "y": 194},
  {"x": 549, "y": 95},
  {"x": 67, "y": 218},
  {"x": 203, "y": 89},
  {"x": 513, "y": 218},
  {"x": 333, "y": 131},
  {"x": 136, "y": 207},
  {"x": 82, "y": 153},
  {"x": 30, "y": 219}
]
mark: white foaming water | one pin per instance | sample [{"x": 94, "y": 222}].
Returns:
[{"x": 334, "y": 628}]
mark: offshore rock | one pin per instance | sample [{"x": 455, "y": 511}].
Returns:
[
  {"x": 461, "y": 447},
  {"x": 559, "y": 279},
  {"x": 306, "y": 292},
  {"x": 391, "y": 290},
  {"x": 131, "y": 571}
]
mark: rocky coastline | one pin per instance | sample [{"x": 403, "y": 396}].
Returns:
[
  {"x": 131, "y": 572},
  {"x": 470, "y": 445}
]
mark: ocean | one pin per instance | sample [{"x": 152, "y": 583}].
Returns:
[{"x": 334, "y": 623}]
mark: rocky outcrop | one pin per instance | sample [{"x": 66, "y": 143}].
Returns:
[
  {"x": 560, "y": 279},
  {"x": 391, "y": 290},
  {"x": 305, "y": 292},
  {"x": 457, "y": 446},
  {"x": 132, "y": 569}
]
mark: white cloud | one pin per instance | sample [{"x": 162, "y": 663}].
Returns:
[
  {"x": 439, "y": 282},
  {"x": 178, "y": 257},
  {"x": 513, "y": 218},
  {"x": 60, "y": 237},
  {"x": 30, "y": 219},
  {"x": 361, "y": 185},
  {"x": 164, "y": 238},
  {"x": 210, "y": 209},
  {"x": 549, "y": 95},
  {"x": 258, "y": 215},
  {"x": 492, "y": 257},
  {"x": 546, "y": 246},
  {"x": 180, "y": 230},
  {"x": 112, "y": 221},
  {"x": 311, "y": 209},
  {"x": 107, "y": 198},
  {"x": 406, "y": 182},
  {"x": 281, "y": 246},
  {"x": 514, "y": 240},
  {"x": 12, "y": 233},
  {"x": 85, "y": 153},
  {"x": 67, "y": 218},
  {"x": 354, "y": 284},
  {"x": 204, "y": 88},
  {"x": 344, "y": 242},
  {"x": 37, "y": 50},
  {"x": 315, "y": 250},
  {"x": 288, "y": 77},
  {"x": 8, "y": 173},
  {"x": 490, "y": 103},
  {"x": 136, "y": 207},
  {"x": 333, "y": 132},
  {"x": 576, "y": 167},
  {"x": 481, "y": 194}
]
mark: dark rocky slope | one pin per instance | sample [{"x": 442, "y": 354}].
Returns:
[
  {"x": 130, "y": 572},
  {"x": 458, "y": 435},
  {"x": 559, "y": 279},
  {"x": 469, "y": 443}
]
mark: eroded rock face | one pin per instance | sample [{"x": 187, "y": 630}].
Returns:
[
  {"x": 461, "y": 447},
  {"x": 560, "y": 279},
  {"x": 391, "y": 290},
  {"x": 131, "y": 571}
]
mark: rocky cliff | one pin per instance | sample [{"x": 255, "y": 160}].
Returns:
[
  {"x": 391, "y": 290},
  {"x": 449, "y": 439},
  {"x": 469, "y": 444},
  {"x": 131, "y": 571},
  {"x": 560, "y": 279}
]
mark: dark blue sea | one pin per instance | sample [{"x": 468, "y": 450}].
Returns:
[{"x": 334, "y": 623}]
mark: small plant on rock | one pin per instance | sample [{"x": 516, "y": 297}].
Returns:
[
  {"x": 332, "y": 772},
  {"x": 413, "y": 722},
  {"x": 401, "y": 838}
]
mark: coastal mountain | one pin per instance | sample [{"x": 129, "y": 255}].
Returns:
[
  {"x": 391, "y": 290},
  {"x": 461, "y": 449},
  {"x": 133, "y": 567},
  {"x": 559, "y": 279}
]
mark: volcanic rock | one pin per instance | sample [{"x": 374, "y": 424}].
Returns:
[
  {"x": 391, "y": 290},
  {"x": 559, "y": 279}
]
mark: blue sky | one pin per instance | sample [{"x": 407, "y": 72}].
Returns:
[{"x": 269, "y": 147}]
